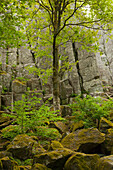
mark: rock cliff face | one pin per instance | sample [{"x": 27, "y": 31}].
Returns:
[{"x": 87, "y": 74}]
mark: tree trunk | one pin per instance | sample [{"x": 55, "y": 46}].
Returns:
[{"x": 56, "y": 81}]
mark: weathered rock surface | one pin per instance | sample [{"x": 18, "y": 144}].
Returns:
[
  {"x": 7, "y": 164},
  {"x": 38, "y": 166},
  {"x": 54, "y": 159},
  {"x": 56, "y": 145},
  {"x": 108, "y": 143},
  {"x": 76, "y": 125},
  {"x": 85, "y": 140},
  {"x": 81, "y": 161},
  {"x": 105, "y": 163},
  {"x": 105, "y": 124},
  {"x": 21, "y": 146}
]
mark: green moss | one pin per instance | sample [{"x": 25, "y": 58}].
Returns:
[
  {"x": 56, "y": 145},
  {"x": 82, "y": 162},
  {"x": 76, "y": 126},
  {"x": 38, "y": 166}
]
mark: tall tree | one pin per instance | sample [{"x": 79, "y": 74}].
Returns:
[
  {"x": 54, "y": 22},
  {"x": 75, "y": 20}
]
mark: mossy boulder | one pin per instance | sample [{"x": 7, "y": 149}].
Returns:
[
  {"x": 24, "y": 168},
  {"x": 5, "y": 154},
  {"x": 37, "y": 149},
  {"x": 55, "y": 145},
  {"x": 4, "y": 121},
  {"x": 105, "y": 163},
  {"x": 21, "y": 146},
  {"x": 61, "y": 126},
  {"x": 105, "y": 124},
  {"x": 8, "y": 164},
  {"x": 38, "y": 166},
  {"x": 81, "y": 161},
  {"x": 76, "y": 125},
  {"x": 84, "y": 140},
  {"x": 54, "y": 159},
  {"x": 107, "y": 146}
]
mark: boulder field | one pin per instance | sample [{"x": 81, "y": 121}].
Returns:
[{"x": 75, "y": 149}]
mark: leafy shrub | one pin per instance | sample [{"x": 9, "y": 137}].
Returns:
[
  {"x": 90, "y": 109},
  {"x": 27, "y": 116}
]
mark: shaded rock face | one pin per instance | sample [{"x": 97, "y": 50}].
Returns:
[
  {"x": 21, "y": 147},
  {"x": 84, "y": 140},
  {"x": 108, "y": 143},
  {"x": 105, "y": 163},
  {"x": 69, "y": 83},
  {"x": 7, "y": 164},
  {"x": 80, "y": 161},
  {"x": 54, "y": 159}
]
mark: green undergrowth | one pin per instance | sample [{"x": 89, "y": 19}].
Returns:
[
  {"x": 91, "y": 109},
  {"x": 32, "y": 119}
]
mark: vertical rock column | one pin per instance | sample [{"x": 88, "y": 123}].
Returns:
[{"x": 0, "y": 96}]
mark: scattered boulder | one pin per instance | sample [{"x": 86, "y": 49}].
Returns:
[
  {"x": 5, "y": 154},
  {"x": 21, "y": 146},
  {"x": 56, "y": 145},
  {"x": 84, "y": 140},
  {"x": 105, "y": 124},
  {"x": 23, "y": 168},
  {"x": 80, "y": 161},
  {"x": 8, "y": 164},
  {"x": 105, "y": 163},
  {"x": 107, "y": 146},
  {"x": 38, "y": 166},
  {"x": 61, "y": 126},
  {"x": 76, "y": 125},
  {"x": 54, "y": 159},
  {"x": 37, "y": 149}
]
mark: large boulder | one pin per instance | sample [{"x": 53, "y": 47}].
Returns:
[
  {"x": 80, "y": 161},
  {"x": 105, "y": 163},
  {"x": 54, "y": 159},
  {"x": 55, "y": 145},
  {"x": 8, "y": 164},
  {"x": 107, "y": 146},
  {"x": 21, "y": 146},
  {"x": 38, "y": 166},
  {"x": 76, "y": 125},
  {"x": 61, "y": 126},
  {"x": 105, "y": 124},
  {"x": 84, "y": 140}
]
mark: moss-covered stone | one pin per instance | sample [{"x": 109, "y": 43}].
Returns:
[
  {"x": 62, "y": 128},
  {"x": 54, "y": 159},
  {"x": 86, "y": 139},
  {"x": 38, "y": 166},
  {"x": 4, "y": 154},
  {"x": 37, "y": 149},
  {"x": 105, "y": 163},
  {"x": 76, "y": 125},
  {"x": 105, "y": 124},
  {"x": 56, "y": 145},
  {"x": 24, "y": 167},
  {"x": 107, "y": 146},
  {"x": 81, "y": 161},
  {"x": 7, "y": 164},
  {"x": 21, "y": 146}
]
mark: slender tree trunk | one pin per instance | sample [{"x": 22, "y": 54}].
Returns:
[{"x": 56, "y": 80}]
